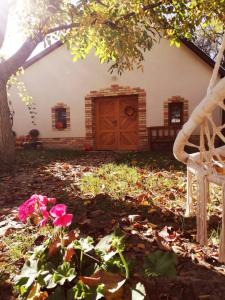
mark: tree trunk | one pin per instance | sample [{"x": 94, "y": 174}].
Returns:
[{"x": 7, "y": 144}]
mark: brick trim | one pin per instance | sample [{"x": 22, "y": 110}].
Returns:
[
  {"x": 54, "y": 108},
  {"x": 175, "y": 99},
  {"x": 75, "y": 143},
  {"x": 116, "y": 90}
]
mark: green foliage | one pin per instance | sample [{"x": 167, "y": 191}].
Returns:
[
  {"x": 115, "y": 180},
  {"x": 119, "y": 31},
  {"x": 161, "y": 263},
  {"x": 22, "y": 93},
  {"x": 64, "y": 272},
  {"x": 52, "y": 270},
  {"x": 17, "y": 247},
  {"x": 19, "y": 244},
  {"x": 122, "y": 180},
  {"x": 82, "y": 291}
]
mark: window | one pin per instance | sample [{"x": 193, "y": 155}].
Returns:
[
  {"x": 176, "y": 113},
  {"x": 60, "y": 118}
]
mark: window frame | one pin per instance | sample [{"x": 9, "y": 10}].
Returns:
[
  {"x": 63, "y": 110},
  {"x": 181, "y": 105}
]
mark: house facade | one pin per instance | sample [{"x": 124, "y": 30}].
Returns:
[{"x": 81, "y": 105}]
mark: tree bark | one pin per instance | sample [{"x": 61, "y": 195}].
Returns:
[{"x": 7, "y": 144}]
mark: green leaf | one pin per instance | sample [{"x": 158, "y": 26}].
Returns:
[
  {"x": 82, "y": 291},
  {"x": 177, "y": 44},
  {"x": 104, "y": 247},
  {"x": 64, "y": 273},
  {"x": 84, "y": 244},
  {"x": 161, "y": 263},
  {"x": 28, "y": 275}
]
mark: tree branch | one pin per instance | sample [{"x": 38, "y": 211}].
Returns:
[
  {"x": 11, "y": 65},
  {"x": 145, "y": 8},
  {"x": 63, "y": 27},
  {"x": 106, "y": 22}
]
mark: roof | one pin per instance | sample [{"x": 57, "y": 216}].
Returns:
[
  {"x": 203, "y": 55},
  {"x": 42, "y": 54},
  {"x": 206, "y": 58}
]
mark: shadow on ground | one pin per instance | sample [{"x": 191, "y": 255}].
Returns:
[{"x": 199, "y": 276}]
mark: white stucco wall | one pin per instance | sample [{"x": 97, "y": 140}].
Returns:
[{"x": 168, "y": 71}]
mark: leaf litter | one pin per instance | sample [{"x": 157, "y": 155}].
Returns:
[{"x": 148, "y": 207}]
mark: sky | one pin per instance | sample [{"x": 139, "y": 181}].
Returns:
[{"x": 14, "y": 38}]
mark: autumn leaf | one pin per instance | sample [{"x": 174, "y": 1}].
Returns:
[
  {"x": 54, "y": 247},
  {"x": 69, "y": 254},
  {"x": 91, "y": 281},
  {"x": 36, "y": 294},
  {"x": 113, "y": 284}
]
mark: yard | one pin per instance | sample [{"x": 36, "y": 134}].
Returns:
[{"x": 139, "y": 195}]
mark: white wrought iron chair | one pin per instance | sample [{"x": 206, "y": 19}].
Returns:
[{"x": 208, "y": 163}]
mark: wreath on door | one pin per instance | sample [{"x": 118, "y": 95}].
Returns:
[{"x": 130, "y": 111}]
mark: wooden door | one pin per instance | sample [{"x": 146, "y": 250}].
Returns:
[{"x": 117, "y": 123}]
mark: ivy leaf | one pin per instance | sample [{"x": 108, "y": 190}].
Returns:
[{"x": 161, "y": 263}]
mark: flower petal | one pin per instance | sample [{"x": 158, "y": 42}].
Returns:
[
  {"x": 44, "y": 211},
  {"x": 63, "y": 221},
  {"x": 58, "y": 210},
  {"x": 42, "y": 200},
  {"x": 43, "y": 222},
  {"x": 26, "y": 209}
]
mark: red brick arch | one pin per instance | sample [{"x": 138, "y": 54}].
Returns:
[{"x": 175, "y": 99}]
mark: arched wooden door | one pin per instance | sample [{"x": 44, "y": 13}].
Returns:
[{"x": 117, "y": 123}]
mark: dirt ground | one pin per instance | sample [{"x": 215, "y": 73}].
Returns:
[{"x": 146, "y": 226}]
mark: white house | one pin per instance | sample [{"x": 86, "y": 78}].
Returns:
[{"x": 82, "y": 105}]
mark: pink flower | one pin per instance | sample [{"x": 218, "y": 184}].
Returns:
[
  {"x": 63, "y": 221},
  {"x": 61, "y": 218},
  {"x": 45, "y": 215},
  {"x": 42, "y": 200},
  {"x": 29, "y": 206},
  {"x": 58, "y": 210},
  {"x": 26, "y": 209},
  {"x": 37, "y": 204}
]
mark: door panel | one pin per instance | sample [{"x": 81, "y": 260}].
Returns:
[
  {"x": 106, "y": 114},
  {"x": 117, "y": 123},
  {"x": 128, "y": 123}
]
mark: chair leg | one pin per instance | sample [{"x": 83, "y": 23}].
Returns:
[
  {"x": 189, "y": 203},
  {"x": 201, "y": 216},
  {"x": 222, "y": 235}
]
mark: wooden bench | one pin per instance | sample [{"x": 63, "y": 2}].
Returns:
[{"x": 159, "y": 135}]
